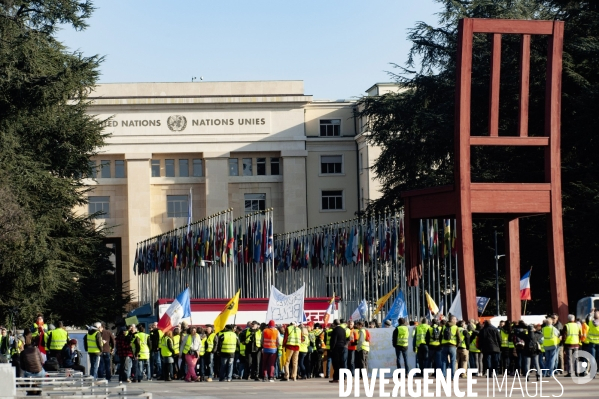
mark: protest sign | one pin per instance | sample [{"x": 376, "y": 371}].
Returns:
[
  {"x": 382, "y": 352},
  {"x": 284, "y": 309}
]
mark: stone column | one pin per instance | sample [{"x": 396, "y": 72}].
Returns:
[
  {"x": 217, "y": 182},
  {"x": 295, "y": 210},
  {"x": 138, "y": 211}
]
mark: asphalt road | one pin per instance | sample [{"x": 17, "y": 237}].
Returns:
[{"x": 321, "y": 388}]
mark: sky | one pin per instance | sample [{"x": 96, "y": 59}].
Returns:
[{"x": 338, "y": 48}]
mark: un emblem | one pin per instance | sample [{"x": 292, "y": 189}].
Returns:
[{"x": 176, "y": 123}]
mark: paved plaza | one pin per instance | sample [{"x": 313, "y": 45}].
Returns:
[{"x": 321, "y": 388}]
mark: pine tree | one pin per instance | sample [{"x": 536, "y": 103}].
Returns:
[
  {"x": 46, "y": 140},
  {"x": 415, "y": 127}
]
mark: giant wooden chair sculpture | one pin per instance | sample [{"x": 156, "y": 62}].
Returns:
[{"x": 465, "y": 200}]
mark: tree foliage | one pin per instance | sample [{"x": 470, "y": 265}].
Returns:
[
  {"x": 50, "y": 256},
  {"x": 415, "y": 128}
]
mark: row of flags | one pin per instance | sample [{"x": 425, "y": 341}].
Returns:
[
  {"x": 340, "y": 245},
  {"x": 437, "y": 240},
  {"x": 218, "y": 240}
]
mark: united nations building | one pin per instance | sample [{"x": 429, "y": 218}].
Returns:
[{"x": 247, "y": 146}]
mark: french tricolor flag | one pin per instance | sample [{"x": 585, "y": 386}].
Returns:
[
  {"x": 179, "y": 309},
  {"x": 525, "y": 287}
]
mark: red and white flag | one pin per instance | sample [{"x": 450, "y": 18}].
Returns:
[
  {"x": 330, "y": 312},
  {"x": 525, "y": 287}
]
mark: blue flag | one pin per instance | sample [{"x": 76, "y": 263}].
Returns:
[
  {"x": 360, "y": 312},
  {"x": 398, "y": 309}
]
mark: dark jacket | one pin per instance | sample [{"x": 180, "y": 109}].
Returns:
[
  {"x": 31, "y": 360},
  {"x": 489, "y": 340},
  {"x": 155, "y": 340},
  {"x": 530, "y": 343},
  {"x": 466, "y": 338},
  {"x": 338, "y": 339},
  {"x": 70, "y": 357}
]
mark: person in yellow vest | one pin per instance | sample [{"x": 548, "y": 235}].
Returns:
[
  {"x": 593, "y": 335},
  {"x": 450, "y": 341},
  {"x": 93, "y": 346},
  {"x": 39, "y": 327},
  {"x": 191, "y": 350},
  {"x": 303, "y": 352},
  {"x": 143, "y": 354},
  {"x": 584, "y": 342},
  {"x": 419, "y": 343},
  {"x": 551, "y": 340},
  {"x": 176, "y": 350},
  {"x": 227, "y": 346},
  {"x": 280, "y": 365},
  {"x": 476, "y": 356},
  {"x": 167, "y": 351},
  {"x": 507, "y": 347},
  {"x": 399, "y": 340},
  {"x": 362, "y": 346},
  {"x": 210, "y": 349},
  {"x": 155, "y": 360},
  {"x": 252, "y": 350},
  {"x": 291, "y": 342},
  {"x": 433, "y": 340},
  {"x": 319, "y": 347},
  {"x": 57, "y": 339},
  {"x": 327, "y": 358},
  {"x": 463, "y": 347},
  {"x": 571, "y": 335}
]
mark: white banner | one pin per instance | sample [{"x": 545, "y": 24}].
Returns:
[
  {"x": 382, "y": 352},
  {"x": 284, "y": 309}
]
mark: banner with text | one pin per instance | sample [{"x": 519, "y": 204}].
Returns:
[
  {"x": 382, "y": 352},
  {"x": 284, "y": 309}
]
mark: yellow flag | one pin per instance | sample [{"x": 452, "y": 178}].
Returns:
[
  {"x": 229, "y": 310},
  {"x": 382, "y": 300},
  {"x": 432, "y": 306}
]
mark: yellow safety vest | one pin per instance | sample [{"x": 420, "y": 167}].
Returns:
[
  {"x": 473, "y": 347},
  {"x": 585, "y": 332},
  {"x": 347, "y": 330},
  {"x": 454, "y": 335},
  {"x": 92, "y": 346},
  {"x": 229, "y": 342},
  {"x": 593, "y": 333},
  {"x": 505, "y": 340},
  {"x": 176, "y": 343},
  {"x": 573, "y": 331},
  {"x": 164, "y": 350},
  {"x": 549, "y": 338},
  {"x": 210, "y": 342},
  {"x": 35, "y": 332},
  {"x": 303, "y": 346},
  {"x": 144, "y": 350},
  {"x": 402, "y": 335},
  {"x": 463, "y": 343},
  {"x": 365, "y": 344},
  {"x": 327, "y": 340},
  {"x": 432, "y": 341},
  {"x": 293, "y": 336},
  {"x": 421, "y": 331},
  {"x": 59, "y": 339}
]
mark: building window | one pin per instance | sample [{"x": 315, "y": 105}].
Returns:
[
  {"x": 93, "y": 173},
  {"x": 331, "y": 164},
  {"x": 255, "y": 202},
  {"x": 119, "y": 169},
  {"x": 99, "y": 204},
  {"x": 247, "y": 166},
  {"x": 105, "y": 169},
  {"x": 274, "y": 166},
  {"x": 183, "y": 167},
  {"x": 261, "y": 166},
  {"x": 330, "y": 127},
  {"x": 169, "y": 165},
  {"x": 177, "y": 206},
  {"x": 233, "y": 167},
  {"x": 155, "y": 167},
  {"x": 197, "y": 168},
  {"x": 332, "y": 200}
]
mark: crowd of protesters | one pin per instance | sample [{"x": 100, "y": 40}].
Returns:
[{"x": 266, "y": 351}]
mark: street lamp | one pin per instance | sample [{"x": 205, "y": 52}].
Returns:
[{"x": 497, "y": 274}]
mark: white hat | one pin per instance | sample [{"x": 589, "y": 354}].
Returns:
[{"x": 97, "y": 325}]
